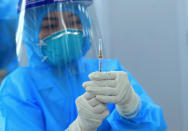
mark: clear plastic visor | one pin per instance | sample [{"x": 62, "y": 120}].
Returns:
[{"x": 58, "y": 35}]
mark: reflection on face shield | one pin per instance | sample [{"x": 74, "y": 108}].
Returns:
[{"x": 61, "y": 37}]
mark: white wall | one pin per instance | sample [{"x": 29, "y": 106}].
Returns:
[
  {"x": 148, "y": 37},
  {"x": 183, "y": 53}
]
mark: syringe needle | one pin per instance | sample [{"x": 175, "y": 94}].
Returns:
[{"x": 100, "y": 55}]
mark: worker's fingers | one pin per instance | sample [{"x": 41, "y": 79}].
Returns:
[
  {"x": 89, "y": 95},
  {"x": 105, "y": 113},
  {"x": 107, "y": 99},
  {"x": 107, "y": 91},
  {"x": 100, "y": 108},
  {"x": 98, "y": 76},
  {"x": 103, "y": 83},
  {"x": 93, "y": 102}
]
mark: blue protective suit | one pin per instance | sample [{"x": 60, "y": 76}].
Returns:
[
  {"x": 40, "y": 98},
  {"x": 8, "y": 9},
  {"x": 34, "y": 100},
  {"x": 8, "y": 25},
  {"x": 8, "y": 44}
]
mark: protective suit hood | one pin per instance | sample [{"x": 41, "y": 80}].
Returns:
[{"x": 31, "y": 19}]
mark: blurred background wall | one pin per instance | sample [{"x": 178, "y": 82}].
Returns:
[{"x": 149, "y": 39}]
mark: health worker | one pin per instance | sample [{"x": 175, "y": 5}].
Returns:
[{"x": 58, "y": 85}]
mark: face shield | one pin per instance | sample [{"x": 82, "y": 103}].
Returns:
[{"x": 57, "y": 34}]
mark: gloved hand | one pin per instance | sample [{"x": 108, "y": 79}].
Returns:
[
  {"x": 91, "y": 113},
  {"x": 114, "y": 87}
]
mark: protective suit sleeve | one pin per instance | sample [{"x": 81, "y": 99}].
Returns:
[
  {"x": 17, "y": 111},
  {"x": 149, "y": 118}
]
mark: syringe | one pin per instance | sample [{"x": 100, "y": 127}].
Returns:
[{"x": 100, "y": 55}]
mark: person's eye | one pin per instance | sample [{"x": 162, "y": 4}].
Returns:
[
  {"x": 75, "y": 23},
  {"x": 48, "y": 27},
  {"x": 45, "y": 27},
  {"x": 53, "y": 26},
  {"x": 78, "y": 22}
]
